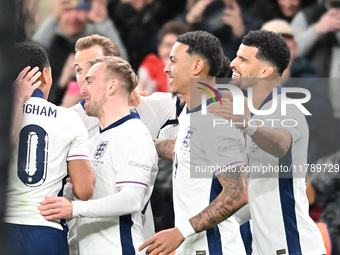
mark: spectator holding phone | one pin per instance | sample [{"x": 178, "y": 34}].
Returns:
[{"x": 226, "y": 19}]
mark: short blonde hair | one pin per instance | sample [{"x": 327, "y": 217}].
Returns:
[
  {"x": 109, "y": 47},
  {"x": 118, "y": 68}
]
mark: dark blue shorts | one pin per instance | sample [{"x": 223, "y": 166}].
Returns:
[{"x": 36, "y": 240}]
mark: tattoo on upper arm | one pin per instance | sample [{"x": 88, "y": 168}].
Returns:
[
  {"x": 226, "y": 203},
  {"x": 165, "y": 148}
]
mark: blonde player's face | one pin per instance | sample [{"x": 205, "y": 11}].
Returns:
[
  {"x": 179, "y": 68},
  {"x": 80, "y": 62},
  {"x": 94, "y": 90}
]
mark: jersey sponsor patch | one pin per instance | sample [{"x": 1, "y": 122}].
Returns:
[
  {"x": 100, "y": 149},
  {"x": 227, "y": 147},
  {"x": 280, "y": 252},
  {"x": 140, "y": 165}
]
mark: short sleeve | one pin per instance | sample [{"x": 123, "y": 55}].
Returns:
[
  {"x": 156, "y": 110},
  {"x": 79, "y": 146},
  {"x": 139, "y": 164},
  {"x": 224, "y": 146},
  {"x": 294, "y": 122}
]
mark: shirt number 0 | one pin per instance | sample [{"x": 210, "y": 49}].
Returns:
[{"x": 33, "y": 155}]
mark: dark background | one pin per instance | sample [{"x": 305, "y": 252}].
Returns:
[{"x": 7, "y": 67}]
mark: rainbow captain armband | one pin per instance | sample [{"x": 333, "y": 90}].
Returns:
[{"x": 186, "y": 229}]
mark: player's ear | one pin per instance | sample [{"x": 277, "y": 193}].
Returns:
[
  {"x": 198, "y": 66},
  {"x": 113, "y": 86},
  {"x": 45, "y": 77},
  {"x": 267, "y": 71}
]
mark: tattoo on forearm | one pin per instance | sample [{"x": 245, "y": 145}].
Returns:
[
  {"x": 165, "y": 148},
  {"x": 226, "y": 203}
]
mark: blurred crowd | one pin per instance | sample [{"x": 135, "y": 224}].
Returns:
[{"x": 145, "y": 31}]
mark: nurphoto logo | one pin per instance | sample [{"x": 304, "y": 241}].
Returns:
[{"x": 238, "y": 104}]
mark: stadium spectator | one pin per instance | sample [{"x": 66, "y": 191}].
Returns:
[
  {"x": 58, "y": 35},
  {"x": 226, "y": 19},
  {"x": 139, "y": 22},
  {"x": 279, "y": 9},
  {"x": 150, "y": 73}
]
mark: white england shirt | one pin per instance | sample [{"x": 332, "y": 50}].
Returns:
[
  {"x": 154, "y": 111},
  {"x": 49, "y": 137},
  {"x": 199, "y": 146},
  {"x": 122, "y": 154},
  {"x": 278, "y": 201}
]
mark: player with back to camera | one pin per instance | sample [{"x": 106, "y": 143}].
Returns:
[{"x": 49, "y": 143}]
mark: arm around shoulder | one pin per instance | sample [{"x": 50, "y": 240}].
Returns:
[{"x": 274, "y": 141}]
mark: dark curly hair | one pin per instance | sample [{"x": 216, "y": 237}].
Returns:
[
  {"x": 30, "y": 54},
  {"x": 209, "y": 47},
  {"x": 271, "y": 47}
]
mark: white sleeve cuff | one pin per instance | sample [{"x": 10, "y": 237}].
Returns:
[
  {"x": 250, "y": 130},
  {"x": 186, "y": 229},
  {"x": 75, "y": 209}
]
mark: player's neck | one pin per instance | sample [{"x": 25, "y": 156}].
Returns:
[
  {"x": 186, "y": 98},
  {"x": 198, "y": 87},
  {"x": 45, "y": 90},
  {"x": 261, "y": 92},
  {"x": 113, "y": 111}
]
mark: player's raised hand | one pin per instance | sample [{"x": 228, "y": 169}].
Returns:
[
  {"x": 56, "y": 208},
  {"x": 226, "y": 111},
  {"x": 24, "y": 85},
  {"x": 26, "y": 82},
  {"x": 135, "y": 97},
  {"x": 164, "y": 242}
]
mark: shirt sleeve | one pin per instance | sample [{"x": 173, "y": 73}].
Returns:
[
  {"x": 79, "y": 146},
  {"x": 156, "y": 110},
  {"x": 224, "y": 146},
  {"x": 294, "y": 122},
  {"x": 139, "y": 163},
  {"x": 128, "y": 200}
]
